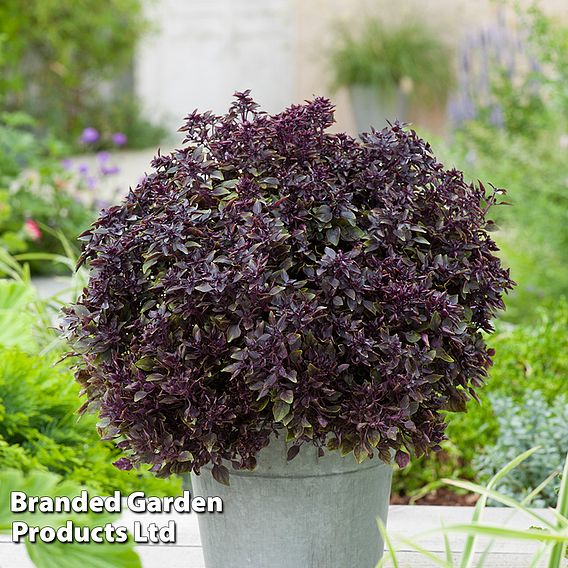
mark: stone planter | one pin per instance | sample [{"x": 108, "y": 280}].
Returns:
[
  {"x": 310, "y": 512},
  {"x": 374, "y": 107}
]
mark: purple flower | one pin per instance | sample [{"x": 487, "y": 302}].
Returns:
[
  {"x": 67, "y": 164},
  {"x": 109, "y": 170},
  {"x": 496, "y": 118},
  {"x": 103, "y": 157},
  {"x": 119, "y": 139},
  {"x": 90, "y": 135},
  {"x": 490, "y": 52},
  {"x": 83, "y": 169}
]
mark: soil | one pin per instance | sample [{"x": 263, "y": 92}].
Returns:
[{"x": 441, "y": 496}]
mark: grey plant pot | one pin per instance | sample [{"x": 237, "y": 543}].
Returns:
[
  {"x": 373, "y": 106},
  {"x": 310, "y": 512}
]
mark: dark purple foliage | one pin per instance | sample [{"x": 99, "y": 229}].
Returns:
[{"x": 270, "y": 275}]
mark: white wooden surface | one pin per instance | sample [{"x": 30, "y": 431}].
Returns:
[{"x": 403, "y": 520}]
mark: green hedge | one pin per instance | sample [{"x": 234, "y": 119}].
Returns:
[{"x": 39, "y": 424}]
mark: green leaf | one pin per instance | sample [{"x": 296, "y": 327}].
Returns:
[
  {"x": 220, "y": 191},
  {"x": 412, "y": 337},
  {"x": 469, "y": 548},
  {"x": 559, "y": 549},
  {"x": 287, "y": 396},
  {"x": 444, "y": 355},
  {"x": 139, "y": 395},
  {"x": 430, "y": 555},
  {"x": 280, "y": 409},
  {"x": 323, "y": 213},
  {"x": 360, "y": 454},
  {"x": 422, "y": 240},
  {"x": 233, "y": 332},
  {"x": 148, "y": 264},
  {"x": 332, "y": 236},
  {"x": 230, "y": 183},
  {"x": 389, "y": 545},
  {"x": 435, "y": 321},
  {"x": 16, "y": 318},
  {"x": 263, "y": 404},
  {"x": 92, "y": 555},
  {"x": 508, "y": 501},
  {"x": 145, "y": 363},
  {"x": 501, "y": 532}
]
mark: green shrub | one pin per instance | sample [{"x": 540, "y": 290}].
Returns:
[
  {"x": 535, "y": 423},
  {"x": 39, "y": 425},
  {"x": 39, "y": 428},
  {"x": 532, "y": 356}
]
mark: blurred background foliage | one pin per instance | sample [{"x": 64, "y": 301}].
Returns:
[
  {"x": 512, "y": 131},
  {"x": 65, "y": 87},
  {"x": 509, "y": 118},
  {"x": 40, "y": 200},
  {"x": 68, "y": 65},
  {"x": 388, "y": 56}
]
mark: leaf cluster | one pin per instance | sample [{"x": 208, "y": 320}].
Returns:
[
  {"x": 272, "y": 277},
  {"x": 532, "y": 356}
]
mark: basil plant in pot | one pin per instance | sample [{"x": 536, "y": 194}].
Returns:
[{"x": 282, "y": 312}]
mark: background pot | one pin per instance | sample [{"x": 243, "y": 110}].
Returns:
[
  {"x": 373, "y": 106},
  {"x": 310, "y": 512}
]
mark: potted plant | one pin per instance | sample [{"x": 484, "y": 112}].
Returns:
[
  {"x": 384, "y": 66},
  {"x": 286, "y": 311}
]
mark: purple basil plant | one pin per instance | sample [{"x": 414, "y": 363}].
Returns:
[{"x": 271, "y": 278}]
